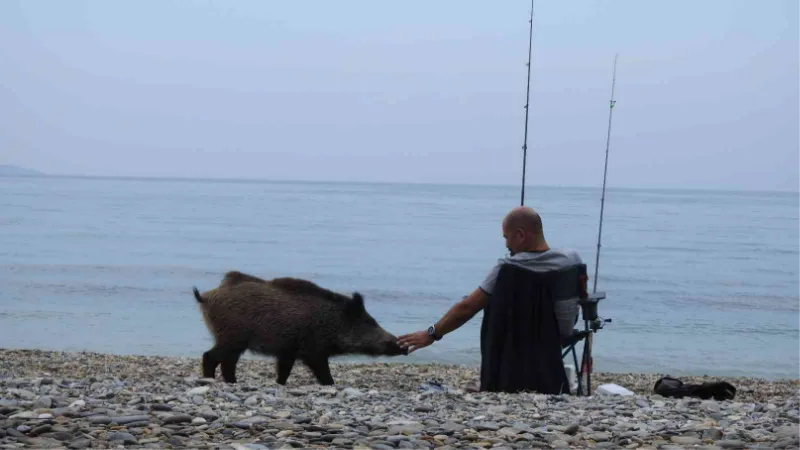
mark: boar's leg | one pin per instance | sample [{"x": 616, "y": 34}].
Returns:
[
  {"x": 226, "y": 355},
  {"x": 229, "y": 361},
  {"x": 319, "y": 367},
  {"x": 285, "y": 364},
  {"x": 210, "y": 361}
]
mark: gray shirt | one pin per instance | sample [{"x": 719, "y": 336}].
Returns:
[{"x": 552, "y": 259}]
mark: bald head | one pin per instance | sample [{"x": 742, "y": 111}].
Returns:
[
  {"x": 523, "y": 217},
  {"x": 522, "y": 229}
]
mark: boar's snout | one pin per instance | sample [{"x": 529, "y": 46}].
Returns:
[
  {"x": 386, "y": 345},
  {"x": 391, "y": 348}
]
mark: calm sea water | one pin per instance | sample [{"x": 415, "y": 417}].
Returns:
[{"x": 697, "y": 282}]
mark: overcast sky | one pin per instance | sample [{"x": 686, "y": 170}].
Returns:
[{"x": 707, "y": 91}]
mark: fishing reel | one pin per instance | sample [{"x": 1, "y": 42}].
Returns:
[
  {"x": 591, "y": 318},
  {"x": 598, "y": 323}
]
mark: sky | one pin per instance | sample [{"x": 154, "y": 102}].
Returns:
[{"x": 426, "y": 92}]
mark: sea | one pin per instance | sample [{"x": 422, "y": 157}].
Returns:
[{"x": 697, "y": 282}]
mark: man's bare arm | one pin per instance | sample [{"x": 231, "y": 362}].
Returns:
[
  {"x": 462, "y": 312},
  {"x": 458, "y": 315}
]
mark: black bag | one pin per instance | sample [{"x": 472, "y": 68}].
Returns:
[{"x": 673, "y": 387}]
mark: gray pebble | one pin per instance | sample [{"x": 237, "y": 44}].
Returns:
[
  {"x": 126, "y": 438},
  {"x": 613, "y": 445},
  {"x": 124, "y": 420},
  {"x": 730, "y": 444},
  {"x": 713, "y": 434},
  {"x": 787, "y": 431},
  {"x": 43, "y": 402},
  {"x": 8, "y": 410},
  {"x": 62, "y": 436},
  {"x": 599, "y": 437},
  {"x": 686, "y": 440},
  {"x": 177, "y": 418},
  {"x": 382, "y": 447},
  {"x": 79, "y": 444},
  {"x": 208, "y": 415},
  {"x": 41, "y": 429},
  {"x": 160, "y": 407},
  {"x": 488, "y": 426},
  {"x": 100, "y": 420},
  {"x": 231, "y": 397}
]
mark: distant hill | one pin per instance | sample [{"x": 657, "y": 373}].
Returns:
[{"x": 9, "y": 170}]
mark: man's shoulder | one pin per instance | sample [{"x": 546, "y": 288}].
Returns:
[
  {"x": 571, "y": 254},
  {"x": 553, "y": 258}
]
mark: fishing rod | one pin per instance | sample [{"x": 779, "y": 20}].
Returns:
[
  {"x": 527, "y": 102},
  {"x": 611, "y": 104}
]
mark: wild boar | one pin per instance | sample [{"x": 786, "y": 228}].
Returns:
[{"x": 288, "y": 318}]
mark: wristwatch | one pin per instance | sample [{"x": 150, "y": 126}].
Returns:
[{"x": 432, "y": 333}]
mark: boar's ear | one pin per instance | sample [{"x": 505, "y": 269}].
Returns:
[{"x": 356, "y": 304}]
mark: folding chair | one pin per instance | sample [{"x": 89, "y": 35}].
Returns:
[
  {"x": 521, "y": 343},
  {"x": 592, "y": 323}
]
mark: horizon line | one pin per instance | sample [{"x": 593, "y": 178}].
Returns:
[{"x": 414, "y": 183}]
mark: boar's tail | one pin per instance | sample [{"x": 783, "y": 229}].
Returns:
[{"x": 197, "y": 295}]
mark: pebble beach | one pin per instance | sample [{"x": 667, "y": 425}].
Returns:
[{"x": 89, "y": 400}]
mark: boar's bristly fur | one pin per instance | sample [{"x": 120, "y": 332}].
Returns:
[{"x": 290, "y": 319}]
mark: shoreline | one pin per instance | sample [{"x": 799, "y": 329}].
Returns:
[
  {"x": 78, "y": 400},
  {"x": 348, "y": 361}
]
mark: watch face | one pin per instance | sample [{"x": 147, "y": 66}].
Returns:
[{"x": 431, "y": 331}]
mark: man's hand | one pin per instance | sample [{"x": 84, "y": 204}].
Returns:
[{"x": 415, "y": 341}]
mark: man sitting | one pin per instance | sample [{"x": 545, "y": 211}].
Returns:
[{"x": 522, "y": 230}]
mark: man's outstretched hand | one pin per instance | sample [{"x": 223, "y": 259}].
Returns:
[{"x": 415, "y": 341}]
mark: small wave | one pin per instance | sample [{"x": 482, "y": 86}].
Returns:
[
  {"x": 42, "y": 314},
  {"x": 93, "y": 269},
  {"x": 406, "y": 296},
  {"x": 92, "y": 289}
]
